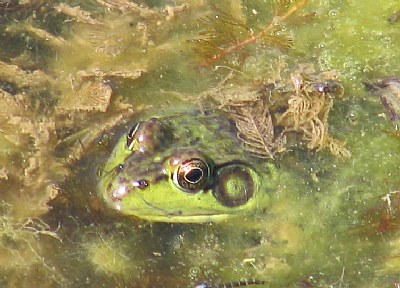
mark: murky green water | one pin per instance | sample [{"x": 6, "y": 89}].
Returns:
[{"x": 330, "y": 222}]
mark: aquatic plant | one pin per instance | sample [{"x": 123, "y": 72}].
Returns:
[
  {"x": 223, "y": 34},
  {"x": 21, "y": 249},
  {"x": 268, "y": 114}
]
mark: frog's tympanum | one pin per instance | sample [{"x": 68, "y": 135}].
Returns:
[{"x": 181, "y": 168}]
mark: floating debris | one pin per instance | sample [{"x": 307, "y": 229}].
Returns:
[
  {"x": 242, "y": 283},
  {"x": 92, "y": 90},
  {"x": 307, "y": 113},
  {"x": 76, "y": 13},
  {"x": 98, "y": 73},
  {"x": 256, "y": 130},
  {"x": 24, "y": 79},
  {"x": 268, "y": 114},
  {"x": 394, "y": 18},
  {"x": 173, "y": 11},
  {"x": 43, "y": 35},
  {"x": 388, "y": 90},
  {"x": 128, "y": 6},
  {"x": 88, "y": 96}
]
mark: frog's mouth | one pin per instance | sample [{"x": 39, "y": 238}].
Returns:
[
  {"x": 196, "y": 218},
  {"x": 158, "y": 214},
  {"x": 191, "y": 209}
]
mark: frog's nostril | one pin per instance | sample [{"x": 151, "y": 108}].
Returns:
[
  {"x": 140, "y": 184},
  {"x": 125, "y": 187}
]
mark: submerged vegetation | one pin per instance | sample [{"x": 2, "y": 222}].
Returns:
[
  {"x": 226, "y": 35},
  {"x": 72, "y": 70},
  {"x": 268, "y": 114}
]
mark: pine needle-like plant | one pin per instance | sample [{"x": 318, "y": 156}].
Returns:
[{"x": 223, "y": 34}]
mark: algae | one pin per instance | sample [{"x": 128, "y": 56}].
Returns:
[{"x": 331, "y": 222}]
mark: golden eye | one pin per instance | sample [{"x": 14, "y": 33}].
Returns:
[{"x": 192, "y": 175}]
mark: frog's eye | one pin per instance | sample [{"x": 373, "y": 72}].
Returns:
[
  {"x": 192, "y": 175},
  {"x": 235, "y": 185}
]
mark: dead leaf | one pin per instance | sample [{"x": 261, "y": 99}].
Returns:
[{"x": 256, "y": 130}]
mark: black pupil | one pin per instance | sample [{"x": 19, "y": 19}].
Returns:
[{"x": 194, "y": 175}]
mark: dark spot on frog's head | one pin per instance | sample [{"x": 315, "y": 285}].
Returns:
[
  {"x": 161, "y": 177},
  {"x": 148, "y": 136},
  {"x": 195, "y": 141},
  {"x": 109, "y": 186}
]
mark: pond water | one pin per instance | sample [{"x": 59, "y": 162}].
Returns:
[{"x": 72, "y": 70}]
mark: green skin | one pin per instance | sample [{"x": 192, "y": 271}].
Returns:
[{"x": 182, "y": 168}]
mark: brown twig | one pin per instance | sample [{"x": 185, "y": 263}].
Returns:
[{"x": 255, "y": 37}]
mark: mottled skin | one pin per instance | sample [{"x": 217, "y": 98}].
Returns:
[{"x": 181, "y": 168}]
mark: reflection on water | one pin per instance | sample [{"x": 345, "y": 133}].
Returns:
[{"x": 70, "y": 72}]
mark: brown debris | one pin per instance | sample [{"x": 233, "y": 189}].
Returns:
[
  {"x": 267, "y": 114},
  {"x": 77, "y": 13},
  {"x": 232, "y": 96},
  {"x": 90, "y": 91},
  {"x": 126, "y": 6},
  {"x": 307, "y": 113},
  {"x": 34, "y": 139},
  {"x": 394, "y": 18},
  {"x": 14, "y": 116},
  {"x": 91, "y": 95},
  {"x": 11, "y": 105},
  {"x": 103, "y": 42},
  {"x": 81, "y": 142},
  {"x": 174, "y": 11},
  {"x": 43, "y": 35},
  {"x": 100, "y": 74},
  {"x": 23, "y": 79},
  {"x": 223, "y": 96},
  {"x": 256, "y": 130},
  {"x": 388, "y": 90},
  {"x": 38, "y": 164},
  {"x": 303, "y": 109},
  {"x": 4, "y": 174},
  {"x": 41, "y": 132}
]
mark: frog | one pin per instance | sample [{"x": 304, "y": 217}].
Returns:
[
  {"x": 206, "y": 166},
  {"x": 185, "y": 167},
  {"x": 186, "y": 176}
]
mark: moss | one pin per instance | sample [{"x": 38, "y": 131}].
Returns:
[{"x": 316, "y": 226}]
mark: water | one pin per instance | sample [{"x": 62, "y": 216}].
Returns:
[{"x": 331, "y": 222}]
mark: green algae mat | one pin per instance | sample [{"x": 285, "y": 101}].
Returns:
[{"x": 199, "y": 143}]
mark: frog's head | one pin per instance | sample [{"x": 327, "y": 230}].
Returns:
[{"x": 182, "y": 168}]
